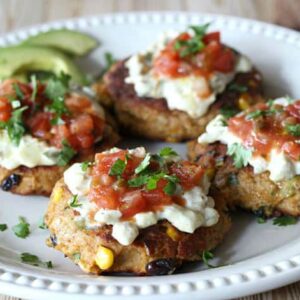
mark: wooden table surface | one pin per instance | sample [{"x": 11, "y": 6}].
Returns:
[{"x": 19, "y": 13}]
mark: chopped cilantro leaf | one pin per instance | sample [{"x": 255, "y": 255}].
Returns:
[
  {"x": 85, "y": 165},
  {"x": 235, "y": 87},
  {"x": 206, "y": 256},
  {"x": 143, "y": 165},
  {"x": 170, "y": 188},
  {"x": 22, "y": 230},
  {"x": 74, "y": 202},
  {"x": 42, "y": 224},
  {"x": 109, "y": 61},
  {"x": 3, "y": 227},
  {"x": 33, "y": 260},
  {"x": 57, "y": 86},
  {"x": 59, "y": 108},
  {"x": 200, "y": 30},
  {"x": 193, "y": 45},
  {"x": 285, "y": 221},
  {"x": 228, "y": 112},
  {"x": 239, "y": 154},
  {"x": 76, "y": 256},
  {"x": 34, "y": 86},
  {"x": 255, "y": 114},
  {"x": 15, "y": 126},
  {"x": 261, "y": 220},
  {"x": 167, "y": 151},
  {"x": 138, "y": 181},
  {"x": 118, "y": 167},
  {"x": 18, "y": 91},
  {"x": 66, "y": 154},
  {"x": 293, "y": 129}
]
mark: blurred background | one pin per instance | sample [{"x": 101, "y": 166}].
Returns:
[{"x": 18, "y": 13}]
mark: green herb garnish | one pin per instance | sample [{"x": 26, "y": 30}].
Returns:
[
  {"x": 167, "y": 151},
  {"x": 33, "y": 260},
  {"x": 74, "y": 202},
  {"x": 193, "y": 45},
  {"x": 109, "y": 61},
  {"x": 57, "y": 86},
  {"x": 228, "y": 112},
  {"x": 3, "y": 227},
  {"x": 59, "y": 108},
  {"x": 285, "y": 221},
  {"x": 22, "y": 230},
  {"x": 34, "y": 86},
  {"x": 293, "y": 129},
  {"x": 206, "y": 256},
  {"x": 66, "y": 154},
  {"x": 85, "y": 165},
  {"x": 76, "y": 256},
  {"x": 18, "y": 91},
  {"x": 235, "y": 87},
  {"x": 143, "y": 165},
  {"x": 239, "y": 154},
  {"x": 118, "y": 167},
  {"x": 42, "y": 224},
  {"x": 261, "y": 220}
]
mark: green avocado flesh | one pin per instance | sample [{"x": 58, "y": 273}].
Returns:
[
  {"x": 21, "y": 59},
  {"x": 68, "y": 41}
]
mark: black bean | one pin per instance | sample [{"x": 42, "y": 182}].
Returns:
[
  {"x": 53, "y": 240},
  {"x": 162, "y": 266},
  {"x": 8, "y": 183}
]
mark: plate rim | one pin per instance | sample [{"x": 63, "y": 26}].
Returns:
[{"x": 19, "y": 281}]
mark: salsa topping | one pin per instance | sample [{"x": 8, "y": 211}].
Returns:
[
  {"x": 198, "y": 53},
  {"x": 134, "y": 182},
  {"x": 52, "y": 113},
  {"x": 268, "y": 126}
]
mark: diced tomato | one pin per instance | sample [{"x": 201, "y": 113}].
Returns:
[
  {"x": 225, "y": 61},
  {"x": 5, "y": 109},
  {"x": 82, "y": 124},
  {"x": 61, "y": 133},
  {"x": 40, "y": 125},
  {"x": 104, "y": 197},
  {"x": 189, "y": 174},
  {"x": 104, "y": 161},
  {"x": 212, "y": 36},
  {"x": 132, "y": 203},
  {"x": 292, "y": 149}
]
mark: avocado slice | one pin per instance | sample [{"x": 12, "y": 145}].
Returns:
[
  {"x": 21, "y": 59},
  {"x": 69, "y": 41}
]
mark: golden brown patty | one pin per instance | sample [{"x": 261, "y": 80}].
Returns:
[
  {"x": 40, "y": 180},
  {"x": 243, "y": 188},
  {"x": 151, "y": 118},
  {"x": 154, "y": 252}
]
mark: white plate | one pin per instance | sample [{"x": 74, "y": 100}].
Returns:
[{"x": 256, "y": 257}]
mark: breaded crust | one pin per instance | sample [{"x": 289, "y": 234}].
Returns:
[
  {"x": 40, "y": 180},
  {"x": 152, "y": 253},
  {"x": 151, "y": 118},
  {"x": 243, "y": 188}
]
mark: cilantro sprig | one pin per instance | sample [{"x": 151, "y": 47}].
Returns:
[
  {"x": 239, "y": 154},
  {"x": 66, "y": 154},
  {"x": 22, "y": 229},
  {"x": 193, "y": 45},
  {"x": 285, "y": 221},
  {"x": 34, "y": 260},
  {"x": 206, "y": 257},
  {"x": 293, "y": 129},
  {"x": 74, "y": 202},
  {"x": 3, "y": 227},
  {"x": 118, "y": 167}
]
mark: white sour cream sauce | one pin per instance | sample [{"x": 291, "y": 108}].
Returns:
[
  {"x": 189, "y": 93},
  {"x": 30, "y": 153},
  {"x": 198, "y": 211},
  {"x": 279, "y": 165}
]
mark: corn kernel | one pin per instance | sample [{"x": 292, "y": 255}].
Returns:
[
  {"x": 57, "y": 194},
  {"x": 210, "y": 172},
  {"x": 104, "y": 258},
  {"x": 243, "y": 103},
  {"x": 173, "y": 233}
]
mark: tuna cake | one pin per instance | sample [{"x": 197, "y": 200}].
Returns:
[
  {"x": 45, "y": 127},
  {"x": 172, "y": 90},
  {"x": 255, "y": 155},
  {"x": 132, "y": 211}
]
